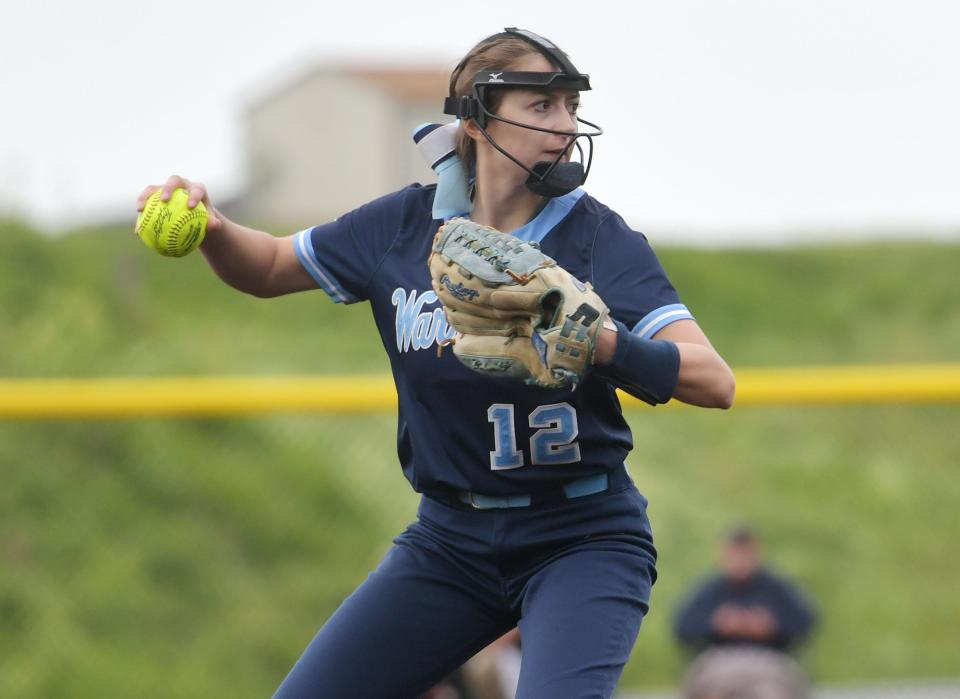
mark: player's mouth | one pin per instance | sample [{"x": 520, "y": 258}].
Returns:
[{"x": 554, "y": 154}]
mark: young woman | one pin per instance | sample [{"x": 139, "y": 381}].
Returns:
[{"x": 528, "y": 517}]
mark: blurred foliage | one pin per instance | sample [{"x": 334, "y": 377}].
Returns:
[
  {"x": 177, "y": 558},
  {"x": 98, "y": 303}
]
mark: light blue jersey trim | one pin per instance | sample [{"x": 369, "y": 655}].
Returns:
[
  {"x": 553, "y": 213},
  {"x": 656, "y": 320},
  {"x": 320, "y": 274}
]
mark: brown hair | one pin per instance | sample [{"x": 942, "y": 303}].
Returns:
[{"x": 497, "y": 52}]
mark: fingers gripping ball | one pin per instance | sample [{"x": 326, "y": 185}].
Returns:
[
  {"x": 171, "y": 227},
  {"x": 518, "y": 314}
]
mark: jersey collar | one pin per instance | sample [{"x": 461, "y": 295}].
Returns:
[{"x": 549, "y": 217}]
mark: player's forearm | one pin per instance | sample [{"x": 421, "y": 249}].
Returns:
[
  {"x": 242, "y": 257},
  {"x": 705, "y": 379}
]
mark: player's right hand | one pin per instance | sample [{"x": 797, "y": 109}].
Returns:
[{"x": 196, "y": 190}]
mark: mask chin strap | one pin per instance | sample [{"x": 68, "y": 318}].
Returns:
[
  {"x": 545, "y": 178},
  {"x": 550, "y": 178}
]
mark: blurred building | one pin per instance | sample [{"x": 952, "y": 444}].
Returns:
[{"x": 334, "y": 138}]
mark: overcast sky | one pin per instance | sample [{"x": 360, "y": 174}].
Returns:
[{"x": 724, "y": 119}]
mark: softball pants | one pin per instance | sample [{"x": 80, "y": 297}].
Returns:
[{"x": 575, "y": 576}]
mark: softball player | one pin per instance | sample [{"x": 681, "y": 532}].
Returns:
[{"x": 528, "y": 517}]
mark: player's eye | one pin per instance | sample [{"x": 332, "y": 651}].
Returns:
[
  {"x": 573, "y": 107},
  {"x": 541, "y": 105}
]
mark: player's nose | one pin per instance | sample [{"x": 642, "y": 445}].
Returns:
[{"x": 565, "y": 120}]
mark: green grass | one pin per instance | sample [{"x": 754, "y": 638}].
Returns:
[
  {"x": 854, "y": 503},
  {"x": 140, "y": 555},
  {"x": 176, "y": 558}
]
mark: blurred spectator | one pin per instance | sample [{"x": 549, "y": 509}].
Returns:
[
  {"x": 494, "y": 672},
  {"x": 743, "y": 622},
  {"x": 451, "y": 687}
]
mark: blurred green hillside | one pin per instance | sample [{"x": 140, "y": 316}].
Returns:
[
  {"x": 196, "y": 558},
  {"x": 99, "y": 303}
]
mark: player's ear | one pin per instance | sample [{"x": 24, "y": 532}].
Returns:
[{"x": 472, "y": 130}]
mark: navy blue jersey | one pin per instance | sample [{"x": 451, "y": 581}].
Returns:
[
  {"x": 794, "y": 615},
  {"x": 459, "y": 429}
]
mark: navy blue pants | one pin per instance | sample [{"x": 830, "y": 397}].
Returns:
[{"x": 575, "y": 576}]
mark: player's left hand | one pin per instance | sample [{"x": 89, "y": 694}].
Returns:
[{"x": 518, "y": 314}]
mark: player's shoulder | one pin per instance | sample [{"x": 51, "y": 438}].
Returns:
[
  {"x": 419, "y": 197},
  {"x": 589, "y": 205},
  {"x": 413, "y": 201},
  {"x": 383, "y": 221},
  {"x": 609, "y": 225},
  {"x": 612, "y": 239}
]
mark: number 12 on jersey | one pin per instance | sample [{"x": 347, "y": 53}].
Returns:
[{"x": 552, "y": 443}]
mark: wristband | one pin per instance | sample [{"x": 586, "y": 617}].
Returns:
[{"x": 647, "y": 369}]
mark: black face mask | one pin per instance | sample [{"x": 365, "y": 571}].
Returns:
[{"x": 548, "y": 179}]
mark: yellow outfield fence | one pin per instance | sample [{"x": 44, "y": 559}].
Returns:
[{"x": 211, "y": 396}]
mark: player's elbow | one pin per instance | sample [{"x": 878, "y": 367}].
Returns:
[
  {"x": 263, "y": 291},
  {"x": 250, "y": 286},
  {"x": 266, "y": 283},
  {"x": 722, "y": 384},
  {"x": 726, "y": 390},
  {"x": 713, "y": 389}
]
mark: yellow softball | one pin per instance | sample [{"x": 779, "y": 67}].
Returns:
[{"x": 170, "y": 227}]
